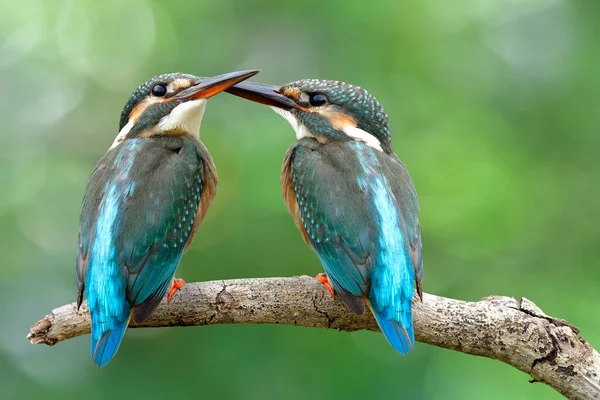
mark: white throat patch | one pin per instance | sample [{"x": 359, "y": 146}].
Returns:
[
  {"x": 301, "y": 130},
  {"x": 349, "y": 129},
  {"x": 186, "y": 117}
]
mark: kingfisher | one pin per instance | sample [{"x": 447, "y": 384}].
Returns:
[
  {"x": 143, "y": 204},
  {"x": 351, "y": 198}
]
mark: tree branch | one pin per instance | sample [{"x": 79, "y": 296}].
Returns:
[{"x": 515, "y": 332}]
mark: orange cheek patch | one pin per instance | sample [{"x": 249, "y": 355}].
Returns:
[
  {"x": 339, "y": 119},
  {"x": 138, "y": 110},
  {"x": 134, "y": 115}
]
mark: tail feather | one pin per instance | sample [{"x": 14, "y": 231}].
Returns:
[
  {"x": 399, "y": 334},
  {"x": 106, "y": 345}
]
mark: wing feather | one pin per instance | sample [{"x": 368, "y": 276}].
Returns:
[
  {"x": 159, "y": 199},
  {"x": 289, "y": 194},
  {"x": 207, "y": 185},
  {"x": 338, "y": 216}
]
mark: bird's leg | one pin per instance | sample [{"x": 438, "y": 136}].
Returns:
[
  {"x": 323, "y": 279},
  {"x": 175, "y": 285}
]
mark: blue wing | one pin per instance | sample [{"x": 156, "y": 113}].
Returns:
[
  {"x": 358, "y": 209},
  {"x": 137, "y": 216}
]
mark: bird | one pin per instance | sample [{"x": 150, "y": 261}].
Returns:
[
  {"x": 351, "y": 197},
  {"x": 143, "y": 203}
]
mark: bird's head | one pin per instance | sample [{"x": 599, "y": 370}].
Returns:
[
  {"x": 172, "y": 103},
  {"x": 326, "y": 110}
]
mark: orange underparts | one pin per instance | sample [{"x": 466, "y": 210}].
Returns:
[
  {"x": 176, "y": 284},
  {"x": 323, "y": 279}
]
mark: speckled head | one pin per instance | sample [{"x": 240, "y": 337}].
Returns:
[
  {"x": 172, "y": 103},
  {"x": 324, "y": 109}
]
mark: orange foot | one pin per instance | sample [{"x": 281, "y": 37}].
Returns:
[
  {"x": 322, "y": 278},
  {"x": 176, "y": 284}
]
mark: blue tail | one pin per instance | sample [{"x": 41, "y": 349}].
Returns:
[
  {"x": 106, "y": 343},
  {"x": 399, "y": 334}
]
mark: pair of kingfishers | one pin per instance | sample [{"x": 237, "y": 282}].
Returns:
[{"x": 350, "y": 196}]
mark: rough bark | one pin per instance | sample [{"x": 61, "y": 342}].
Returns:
[{"x": 515, "y": 332}]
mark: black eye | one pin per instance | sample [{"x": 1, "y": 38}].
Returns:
[
  {"x": 159, "y": 90},
  {"x": 317, "y": 99}
]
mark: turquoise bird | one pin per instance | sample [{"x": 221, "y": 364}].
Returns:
[
  {"x": 143, "y": 204},
  {"x": 351, "y": 198}
]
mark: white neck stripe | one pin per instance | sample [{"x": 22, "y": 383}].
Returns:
[
  {"x": 362, "y": 136},
  {"x": 123, "y": 133}
]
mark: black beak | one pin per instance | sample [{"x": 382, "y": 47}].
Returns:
[
  {"x": 208, "y": 87},
  {"x": 263, "y": 94}
]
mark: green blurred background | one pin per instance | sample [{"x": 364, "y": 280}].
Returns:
[{"x": 493, "y": 106}]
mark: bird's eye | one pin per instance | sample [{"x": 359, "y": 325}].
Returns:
[
  {"x": 317, "y": 99},
  {"x": 159, "y": 90}
]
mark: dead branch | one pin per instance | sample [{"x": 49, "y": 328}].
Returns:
[{"x": 515, "y": 332}]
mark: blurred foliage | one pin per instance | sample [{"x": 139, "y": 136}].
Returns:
[{"x": 493, "y": 106}]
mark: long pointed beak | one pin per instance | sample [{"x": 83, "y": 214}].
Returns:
[
  {"x": 263, "y": 94},
  {"x": 208, "y": 87}
]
